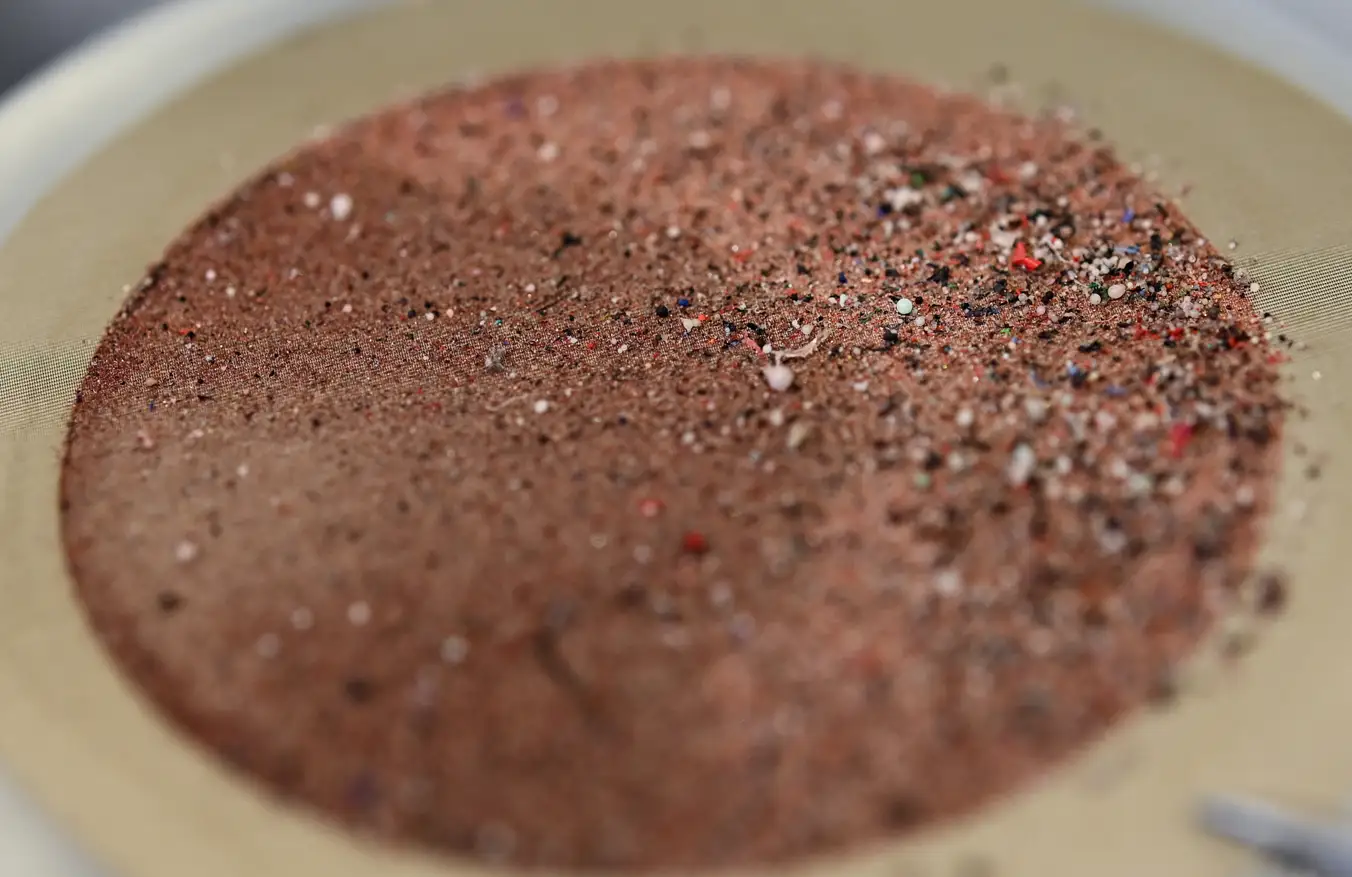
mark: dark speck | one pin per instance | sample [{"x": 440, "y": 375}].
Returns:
[
  {"x": 359, "y": 690},
  {"x": 567, "y": 240},
  {"x": 903, "y": 810},
  {"x": 1271, "y": 594},
  {"x": 631, "y": 596}
]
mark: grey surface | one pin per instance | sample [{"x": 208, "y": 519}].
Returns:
[
  {"x": 54, "y": 122},
  {"x": 1306, "y": 42},
  {"x": 33, "y": 32}
]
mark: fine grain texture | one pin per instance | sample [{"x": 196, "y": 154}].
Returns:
[{"x": 671, "y": 464}]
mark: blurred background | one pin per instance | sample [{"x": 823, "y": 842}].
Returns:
[{"x": 33, "y": 32}]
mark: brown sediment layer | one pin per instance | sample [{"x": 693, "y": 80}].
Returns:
[{"x": 674, "y": 463}]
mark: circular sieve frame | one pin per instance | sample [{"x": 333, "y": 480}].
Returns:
[{"x": 1266, "y": 164}]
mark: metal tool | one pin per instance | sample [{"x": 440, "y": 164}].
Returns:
[{"x": 1290, "y": 844}]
